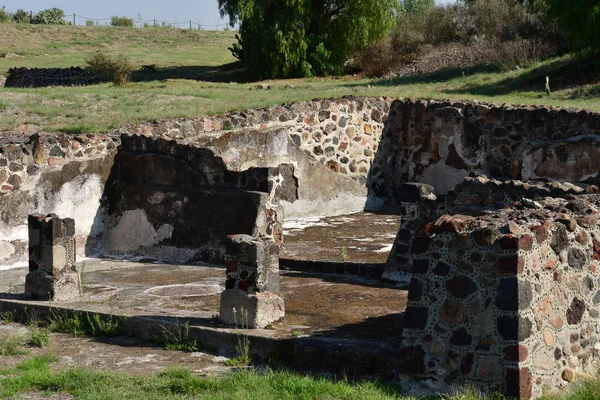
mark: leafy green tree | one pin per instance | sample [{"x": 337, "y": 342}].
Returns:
[
  {"x": 21, "y": 16},
  {"x": 418, "y": 6},
  {"x": 295, "y": 38},
  {"x": 50, "y": 16},
  {"x": 578, "y": 20},
  {"x": 4, "y": 15},
  {"x": 121, "y": 21}
]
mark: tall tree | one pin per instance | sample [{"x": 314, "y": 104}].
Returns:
[
  {"x": 579, "y": 20},
  {"x": 295, "y": 38}
]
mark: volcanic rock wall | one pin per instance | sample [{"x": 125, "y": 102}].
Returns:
[
  {"x": 441, "y": 142},
  {"x": 508, "y": 298},
  {"x": 42, "y": 77},
  {"x": 61, "y": 174}
]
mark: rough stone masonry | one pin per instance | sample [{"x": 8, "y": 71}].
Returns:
[
  {"x": 506, "y": 293},
  {"x": 52, "y": 274}
]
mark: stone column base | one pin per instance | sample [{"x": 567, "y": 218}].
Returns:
[
  {"x": 262, "y": 308},
  {"x": 40, "y": 285}
]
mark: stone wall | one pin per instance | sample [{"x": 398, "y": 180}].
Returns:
[
  {"x": 178, "y": 202},
  {"x": 49, "y": 173},
  {"x": 342, "y": 134},
  {"x": 441, "y": 142},
  {"x": 42, "y": 77},
  {"x": 507, "y": 297}
]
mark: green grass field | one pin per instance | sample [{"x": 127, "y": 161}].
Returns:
[
  {"x": 36, "y": 376},
  {"x": 196, "y": 76}
]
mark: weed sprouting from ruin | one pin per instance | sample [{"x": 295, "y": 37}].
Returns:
[
  {"x": 10, "y": 344},
  {"x": 62, "y": 322},
  {"x": 7, "y": 317},
  {"x": 80, "y": 324},
  {"x": 178, "y": 338},
  {"x": 243, "y": 341},
  {"x": 344, "y": 253},
  {"x": 98, "y": 326},
  {"x": 37, "y": 337}
]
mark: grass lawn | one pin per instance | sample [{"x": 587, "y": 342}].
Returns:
[
  {"x": 36, "y": 376},
  {"x": 195, "y": 76}
]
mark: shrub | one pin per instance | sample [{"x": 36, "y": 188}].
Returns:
[
  {"x": 4, "y": 15},
  {"x": 117, "y": 69},
  {"x": 521, "y": 53},
  {"x": 380, "y": 59},
  {"x": 303, "y": 38},
  {"x": 50, "y": 16},
  {"x": 21, "y": 16},
  {"x": 121, "y": 21},
  {"x": 89, "y": 22}
]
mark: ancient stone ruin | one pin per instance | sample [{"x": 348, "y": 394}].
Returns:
[
  {"x": 52, "y": 273},
  {"x": 251, "y": 291},
  {"x": 499, "y": 244}
]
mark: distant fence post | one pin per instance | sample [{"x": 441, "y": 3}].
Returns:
[
  {"x": 190, "y": 24},
  {"x": 155, "y": 22},
  {"x": 73, "y": 19}
]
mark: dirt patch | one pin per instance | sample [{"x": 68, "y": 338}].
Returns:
[{"x": 121, "y": 355}]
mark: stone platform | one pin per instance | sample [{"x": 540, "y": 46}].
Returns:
[
  {"x": 331, "y": 323},
  {"x": 352, "y": 244}
]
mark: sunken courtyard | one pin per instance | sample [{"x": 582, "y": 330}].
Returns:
[{"x": 453, "y": 243}]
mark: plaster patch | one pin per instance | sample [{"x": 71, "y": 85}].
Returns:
[
  {"x": 164, "y": 232},
  {"x": 443, "y": 177},
  {"x": 78, "y": 199},
  {"x": 132, "y": 232},
  {"x": 16, "y": 233},
  {"x": 6, "y": 250}
]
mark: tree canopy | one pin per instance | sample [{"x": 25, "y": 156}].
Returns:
[
  {"x": 296, "y": 38},
  {"x": 578, "y": 20}
]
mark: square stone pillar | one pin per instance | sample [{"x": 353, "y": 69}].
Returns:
[
  {"x": 52, "y": 274},
  {"x": 251, "y": 296}
]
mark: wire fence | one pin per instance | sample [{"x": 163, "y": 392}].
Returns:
[{"x": 139, "y": 23}]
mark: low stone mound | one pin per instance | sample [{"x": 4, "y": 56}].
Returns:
[{"x": 42, "y": 77}]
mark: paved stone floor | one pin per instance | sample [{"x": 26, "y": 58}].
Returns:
[
  {"x": 322, "y": 305},
  {"x": 361, "y": 238}
]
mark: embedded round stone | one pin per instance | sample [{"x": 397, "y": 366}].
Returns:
[
  {"x": 466, "y": 364},
  {"x": 545, "y": 306},
  {"x": 575, "y": 311},
  {"x": 525, "y": 328},
  {"x": 548, "y": 338},
  {"x": 557, "y": 321},
  {"x": 461, "y": 337},
  {"x": 516, "y": 353},
  {"x": 420, "y": 266},
  {"x": 507, "y": 327},
  {"x": 577, "y": 258},
  {"x": 486, "y": 236},
  {"x": 541, "y": 233},
  {"x": 442, "y": 269},
  {"x": 568, "y": 375},
  {"x": 437, "y": 348},
  {"x": 508, "y": 265},
  {"x": 416, "y": 317},
  {"x": 415, "y": 292},
  {"x": 421, "y": 244},
  {"x": 581, "y": 237},
  {"x": 451, "y": 311},
  {"x": 461, "y": 286},
  {"x": 509, "y": 242},
  {"x": 507, "y": 295},
  {"x": 560, "y": 239},
  {"x": 526, "y": 243}
]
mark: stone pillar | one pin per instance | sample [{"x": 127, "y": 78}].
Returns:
[
  {"x": 252, "y": 289},
  {"x": 52, "y": 274}
]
